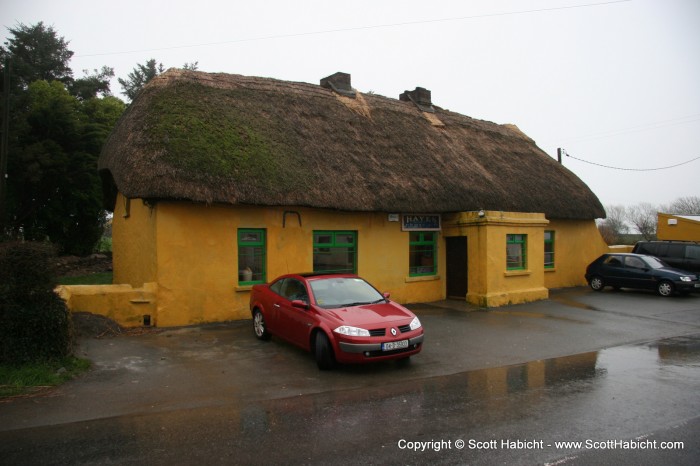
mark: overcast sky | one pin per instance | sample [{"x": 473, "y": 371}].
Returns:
[{"x": 614, "y": 83}]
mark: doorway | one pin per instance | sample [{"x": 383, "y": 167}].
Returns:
[{"x": 457, "y": 268}]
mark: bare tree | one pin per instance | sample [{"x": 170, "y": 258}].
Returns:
[
  {"x": 644, "y": 218},
  {"x": 615, "y": 224},
  {"x": 689, "y": 205}
]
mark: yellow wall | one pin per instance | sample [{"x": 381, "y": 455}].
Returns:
[
  {"x": 683, "y": 230},
  {"x": 184, "y": 258},
  {"x": 577, "y": 243},
  {"x": 133, "y": 242},
  {"x": 490, "y": 284},
  {"x": 197, "y": 256},
  {"x": 122, "y": 303}
]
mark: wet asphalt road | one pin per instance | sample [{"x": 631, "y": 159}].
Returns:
[{"x": 617, "y": 371}]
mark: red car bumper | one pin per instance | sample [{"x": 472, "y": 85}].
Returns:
[{"x": 362, "y": 352}]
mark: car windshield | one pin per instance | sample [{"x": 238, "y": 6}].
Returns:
[{"x": 337, "y": 292}]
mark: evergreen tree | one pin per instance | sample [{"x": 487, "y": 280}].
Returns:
[
  {"x": 57, "y": 128},
  {"x": 37, "y": 53},
  {"x": 139, "y": 77}
]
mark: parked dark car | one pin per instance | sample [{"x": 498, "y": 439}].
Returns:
[
  {"x": 337, "y": 317},
  {"x": 684, "y": 255},
  {"x": 639, "y": 271}
]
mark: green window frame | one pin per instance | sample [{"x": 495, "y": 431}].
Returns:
[
  {"x": 549, "y": 249},
  {"x": 335, "y": 251},
  {"x": 422, "y": 253},
  {"x": 516, "y": 252},
  {"x": 252, "y": 256}
]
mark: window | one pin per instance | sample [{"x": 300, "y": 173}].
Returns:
[
  {"x": 613, "y": 261},
  {"x": 335, "y": 251},
  {"x": 549, "y": 249},
  {"x": 422, "y": 257},
  {"x": 251, "y": 256},
  {"x": 516, "y": 252},
  {"x": 634, "y": 262},
  {"x": 692, "y": 252},
  {"x": 291, "y": 289}
]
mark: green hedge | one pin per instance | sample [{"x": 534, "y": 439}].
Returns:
[{"x": 35, "y": 324}]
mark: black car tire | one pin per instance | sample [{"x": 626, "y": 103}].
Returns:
[
  {"x": 596, "y": 283},
  {"x": 324, "y": 352},
  {"x": 259, "y": 326},
  {"x": 665, "y": 288}
]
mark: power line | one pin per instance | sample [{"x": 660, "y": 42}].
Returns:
[
  {"x": 654, "y": 125},
  {"x": 631, "y": 169},
  {"x": 356, "y": 28}
]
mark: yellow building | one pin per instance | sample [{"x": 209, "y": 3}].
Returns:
[
  {"x": 219, "y": 182},
  {"x": 678, "y": 227}
]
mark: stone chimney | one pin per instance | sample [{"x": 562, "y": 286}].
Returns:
[
  {"x": 420, "y": 97},
  {"x": 340, "y": 83}
]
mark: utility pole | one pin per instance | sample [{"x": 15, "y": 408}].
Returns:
[
  {"x": 4, "y": 143},
  {"x": 559, "y": 152}
]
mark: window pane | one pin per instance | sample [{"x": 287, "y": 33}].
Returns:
[
  {"x": 422, "y": 260},
  {"x": 250, "y": 237},
  {"x": 323, "y": 238},
  {"x": 516, "y": 252},
  {"x": 692, "y": 252},
  {"x": 338, "y": 256},
  {"x": 549, "y": 259},
  {"x": 549, "y": 249},
  {"x": 344, "y": 238},
  {"x": 514, "y": 256},
  {"x": 421, "y": 253},
  {"x": 251, "y": 256}
]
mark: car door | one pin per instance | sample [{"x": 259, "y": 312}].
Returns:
[
  {"x": 673, "y": 254},
  {"x": 613, "y": 271},
  {"x": 271, "y": 301},
  {"x": 294, "y": 322},
  {"x": 692, "y": 258},
  {"x": 637, "y": 273}
]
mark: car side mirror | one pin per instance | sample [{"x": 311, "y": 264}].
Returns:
[
  {"x": 299, "y": 304},
  {"x": 386, "y": 295}
]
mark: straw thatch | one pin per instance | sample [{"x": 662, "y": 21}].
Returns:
[{"x": 220, "y": 138}]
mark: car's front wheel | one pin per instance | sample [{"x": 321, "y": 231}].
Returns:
[
  {"x": 665, "y": 288},
  {"x": 597, "y": 283},
  {"x": 259, "y": 326},
  {"x": 324, "y": 352}
]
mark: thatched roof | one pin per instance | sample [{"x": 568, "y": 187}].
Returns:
[{"x": 221, "y": 138}]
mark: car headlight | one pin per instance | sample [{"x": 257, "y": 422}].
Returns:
[
  {"x": 352, "y": 331},
  {"x": 415, "y": 323},
  {"x": 686, "y": 279}
]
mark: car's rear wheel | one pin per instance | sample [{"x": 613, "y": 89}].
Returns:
[
  {"x": 665, "y": 288},
  {"x": 596, "y": 283},
  {"x": 260, "y": 326},
  {"x": 324, "y": 352}
]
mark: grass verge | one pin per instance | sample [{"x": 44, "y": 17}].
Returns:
[
  {"x": 103, "y": 278},
  {"x": 27, "y": 379}
]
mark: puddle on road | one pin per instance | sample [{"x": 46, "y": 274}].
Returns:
[
  {"x": 608, "y": 394},
  {"x": 614, "y": 381}
]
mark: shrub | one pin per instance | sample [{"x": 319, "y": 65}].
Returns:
[{"x": 35, "y": 324}]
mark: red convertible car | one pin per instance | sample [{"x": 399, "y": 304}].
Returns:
[{"x": 337, "y": 317}]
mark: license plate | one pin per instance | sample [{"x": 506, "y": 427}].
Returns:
[
  {"x": 697, "y": 285},
  {"x": 392, "y": 345}
]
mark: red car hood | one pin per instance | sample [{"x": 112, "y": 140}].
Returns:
[{"x": 369, "y": 315}]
